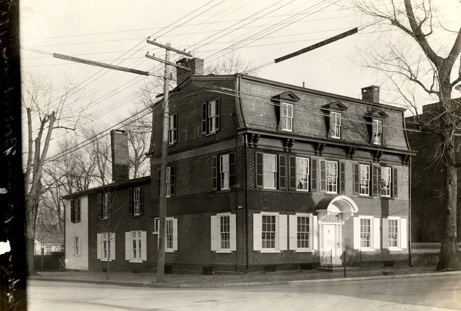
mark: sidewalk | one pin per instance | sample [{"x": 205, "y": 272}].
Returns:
[{"x": 233, "y": 280}]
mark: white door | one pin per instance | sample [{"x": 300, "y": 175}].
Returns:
[{"x": 331, "y": 242}]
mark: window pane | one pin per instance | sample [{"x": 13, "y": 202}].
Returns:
[{"x": 268, "y": 231}]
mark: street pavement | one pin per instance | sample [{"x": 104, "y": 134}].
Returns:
[
  {"x": 435, "y": 292},
  {"x": 196, "y": 280}
]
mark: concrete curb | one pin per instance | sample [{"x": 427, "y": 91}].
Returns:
[{"x": 245, "y": 284}]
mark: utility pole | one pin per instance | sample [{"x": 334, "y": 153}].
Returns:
[{"x": 163, "y": 165}]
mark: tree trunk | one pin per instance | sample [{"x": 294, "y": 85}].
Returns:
[
  {"x": 448, "y": 257},
  {"x": 31, "y": 217}
]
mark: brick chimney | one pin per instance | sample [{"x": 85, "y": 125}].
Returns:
[
  {"x": 194, "y": 64},
  {"x": 371, "y": 93},
  {"x": 120, "y": 155}
]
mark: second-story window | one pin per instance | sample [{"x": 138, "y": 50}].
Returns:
[
  {"x": 170, "y": 184},
  {"x": 104, "y": 205},
  {"x": 211, "y": 117},
  {"x": 335, "y": 124},
  {"x": 332, "y": 176},
  {"x": 173, "y": 129},
  {"x": 269, "y": 171},
  {"x": 377, "y": 138},
  {"x": 286, "y": 123},
  {"x": 75, "y": 210},
  {"x": 302, "y": 174},
  {"x": 136, "y": 200},
  {"x": 223, "y": 171},
  {"x": 386, "y": 181},
  {"x": 364, "y": 179}
]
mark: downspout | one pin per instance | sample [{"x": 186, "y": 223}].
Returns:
[
  {"x": 242, "y": 125},
  {"x": 410, "y": 263}
]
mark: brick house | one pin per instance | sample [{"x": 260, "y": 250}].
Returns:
[
  {"x": 265, "y": 175},
  {"x": 428, "y": 186},
  {"x": 261, "y": 176}
]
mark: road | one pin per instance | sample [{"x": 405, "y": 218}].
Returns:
[{"x": 421, "y": 293}]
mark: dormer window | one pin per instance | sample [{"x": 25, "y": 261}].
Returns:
[
  {"x": 284, "y": 110},
  {"x": 286, "y": 121},
  {"x": 333, "y": 114},
  {"x": 377, "y": 132},
  {"x": 335, "y": 125}
]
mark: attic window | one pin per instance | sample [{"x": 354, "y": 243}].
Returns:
[
  {"x": 375, "y": 120},
  {"x": 333, "y": 113},
  {"x": 284, "y": 110}
]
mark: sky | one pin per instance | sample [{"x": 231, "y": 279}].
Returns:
[{"x": 115, "y": 32}]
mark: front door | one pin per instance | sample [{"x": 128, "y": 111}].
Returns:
[{"x": 331, "y": 242}]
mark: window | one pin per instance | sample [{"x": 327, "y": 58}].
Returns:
[
  {"x": 135, "y": 246},
  {"x": 332, "y": 176},
  {"x": 77, "y": 246},
  {"x": 211, "y": 117},
  {"x": 367, "y": 233},
  {"x": 106, "y": 246},
  {"x": 287, "y": 117},
  {"x": 395, "y": 233},
  {"x": 302, "y": 174},
  {"x": 303, "y": 232},
  {"x": 270, "y": 232},
  {"x": 223, "y": 233},
  {"x": 104, "y": 205},
  {"x": 170, "y": 181},
  {"x": 223, "y": 171},
  {"x": 364, "y": 179},
  {"x": 173, "y": 129},
  {"x": 377, "y": 137},
  {"x": 335, "y": 124},
  {"x": 386, "y": 181},
  {"x": 269, "y": 171},
  {"x": 136, "y": 201},
  {"x": 75, "y": 209},
  {"x": 171, "y": 233}
]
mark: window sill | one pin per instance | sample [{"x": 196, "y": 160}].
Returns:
[
  {"x": 105, "y": 259},
  {"x": 270, "y": 251},
  {"x": 367, "y": 249},
  {"x": 223, "y": 190},
  {"x": 395, "y": 249},
  {"x": 303, "y": 250},
  {"x": 224, "y": 251},
  {"x": 169, "y": 251},
  {"x": 135, "y": 216},
  {"x": 135, "y": 260}
]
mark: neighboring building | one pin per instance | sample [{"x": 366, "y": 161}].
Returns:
[
  {"x": 261, "y": 175},
  {"x": 428, "y": 186},
  {"x": 48, "y": 239}
]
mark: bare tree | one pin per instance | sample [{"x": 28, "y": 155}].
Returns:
[
  {"x": 231, "y": 63},
  {"x": 51, "y": 111},
  {"x": 423, "y": 51}
]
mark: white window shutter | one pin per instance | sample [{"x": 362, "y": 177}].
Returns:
[
  {"x": 112, "y": 246},
  {"x": 403, "y": 233},
  {"x": 98, "y": 246},
  {"x": 143, "y": 245},
  {"x": 127, "y": 245},
  {"x": 385, "y": 233},
  {"x": 283, "y": 228},
  {"x": 376, "y": 233},
  {"x": 293, "y": 227},
  {"x": 214, "y": 233},
  {"x": 175, "y": 234},
  {"x": 257, "y": 227},
  {"x": 233, "y": 232},
  {"x": 356, "y": 233},
  {"x": 315, "y": 235}
]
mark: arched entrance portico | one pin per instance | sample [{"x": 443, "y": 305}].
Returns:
[{"x": 332, "y": 212}]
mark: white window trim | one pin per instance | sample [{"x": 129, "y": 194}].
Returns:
[
  {"x": 377, "y": 129},
  {"x": 293, "y": 233},
  {"x": 335, "y": 117},
  {"x": 100, "y": 246},
  {"x": 216, "y": 233},
  {"x": 77, "y": 252},
  {"x": 224, "y": 172},
  {"x": 375, "y": 233},
  {"x": 401, "y": 233},
  {"x": 105, "y": 206},
  {"x": 172, "y": 131},
  {"x": 308, "y": 174},
  {"x": 368, "y": 173},
  {"x": 175, "y": 233},
  {"x": 336, "y": 177},
  {"x": 281, "y": 225},
  {"x": 288, "y": 118},
  {"x": 137, "y": 201},
  {"x": 389, "y": 169},
  {"x": 211, "y": 118},
  {"x": 273, "y": 172},
  {"x": 129, "y": 249}
]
